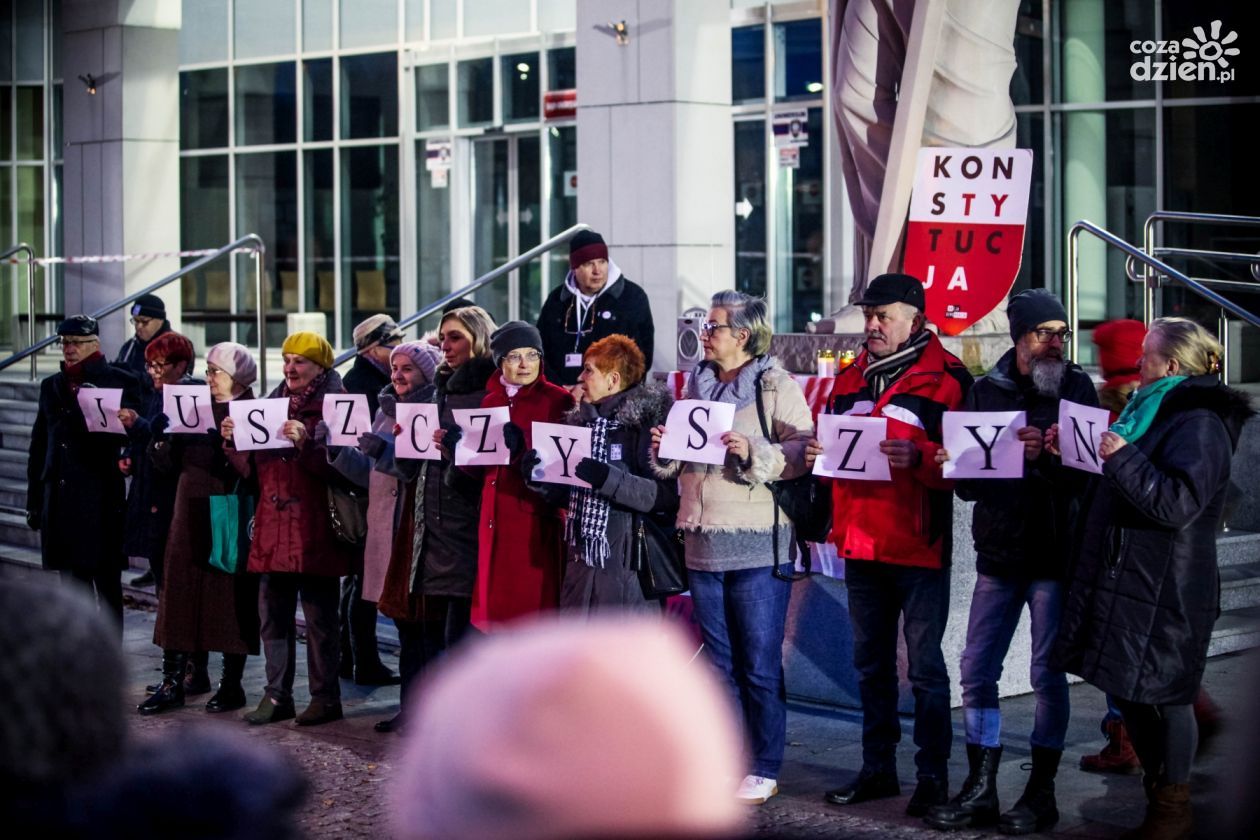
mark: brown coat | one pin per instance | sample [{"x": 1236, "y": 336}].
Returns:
[{"x": 199, "y": 607}]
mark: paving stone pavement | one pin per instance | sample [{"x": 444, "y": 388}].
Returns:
[{"x": 349, "y": 765}]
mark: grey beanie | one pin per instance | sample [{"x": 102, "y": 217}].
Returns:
[
  {"x": 512, "y": 336},
  {"x": 1032, "y": 307}
]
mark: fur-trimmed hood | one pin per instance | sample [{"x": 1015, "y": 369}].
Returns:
[
  {"x": 646, "y": 404},
  {"x": 1207, "y": 392}
]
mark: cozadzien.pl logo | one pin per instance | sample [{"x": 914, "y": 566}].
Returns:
[{"x": 1203, "y": 58}]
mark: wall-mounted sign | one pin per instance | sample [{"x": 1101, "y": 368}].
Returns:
[{"x": 560, "y": 104}]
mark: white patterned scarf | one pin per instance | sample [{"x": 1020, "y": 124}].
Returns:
[{"x": 586, "y": 528}]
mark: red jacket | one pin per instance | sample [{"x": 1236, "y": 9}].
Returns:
[
  {"x": 909, "y": 520},
  {"x": 520, "y": 545}
]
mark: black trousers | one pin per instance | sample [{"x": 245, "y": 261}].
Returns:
[
  {"x": 446, "y": 621},
  {"x": 106, "y": 586}
]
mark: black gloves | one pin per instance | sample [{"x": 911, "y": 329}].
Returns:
[
  {"x": 371, "y": 445},
  {"x": 158, "y": 425},
  {"x": 528, "y": 461},
  {"x": 593, "y": 472},
  {"x": 32, "y": 520},
  {"x": 514, "y": 439},
  {"x": 450, "y": 440}
]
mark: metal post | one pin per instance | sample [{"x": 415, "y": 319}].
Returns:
[
  {"x": 1072, "y": 311},
  {"x": 1149, "y": 277},
  {"x": 262, "y": 322},
  {"x": 1223, "y": 331},
  {"x": 30, "y": 311}
]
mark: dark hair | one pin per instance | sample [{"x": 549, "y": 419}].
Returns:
[
  {"x": 619, "y": 353},
  {"x": 170, "y": 346}
]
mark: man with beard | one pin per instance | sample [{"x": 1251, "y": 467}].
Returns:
[
  {"x": 896, "y": 537},
  {"x": 1022, "y": 530}
]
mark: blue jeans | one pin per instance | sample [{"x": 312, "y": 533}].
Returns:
[
  {"x": 995, "y": 609},
  {"x": 741, "y": 616},
  {"x": 878, "y": 594}
]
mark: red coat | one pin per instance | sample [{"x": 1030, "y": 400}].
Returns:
[
  {"x": 909, "y": 520},
  {"x": 292, "y": 530},
  {"x": 521, "y": 536}
]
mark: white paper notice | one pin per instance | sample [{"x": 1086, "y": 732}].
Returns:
[
  {"x": 560, "y": 447},
  {"x": 187, "y": 408},
  {"x": 347, "y": 417},
  {"x": 694, "y": 430},
  {"x": 258, "y": 423},
  {"x": 100, "y": 409},
  {"x": 851, "y": 447},
  {"x": 418, "y": 422},
  {"x": 482, "y": 442},
  {"x": 1080, "y": 431},
  {"x": 983, "y": 444}
]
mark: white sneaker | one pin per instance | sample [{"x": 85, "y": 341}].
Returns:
[{"x": 755, "y": 790}]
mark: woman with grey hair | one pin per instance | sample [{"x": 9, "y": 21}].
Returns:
[{"x": 728, "y": 516}]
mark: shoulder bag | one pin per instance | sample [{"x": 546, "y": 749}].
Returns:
[
  {"x": 231, "y": 531},
  {"x": 656, "y": 553}
]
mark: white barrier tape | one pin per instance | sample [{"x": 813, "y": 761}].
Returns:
[{"x": 113, "y": 258}]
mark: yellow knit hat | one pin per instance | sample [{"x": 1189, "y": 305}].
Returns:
[{"x": 311, "y": 345}]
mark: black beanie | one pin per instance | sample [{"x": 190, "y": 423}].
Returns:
[
  {"x": 587, "y": 245},
  {"x": 149, "y": 306},
  {"x": 1030, "y": 308},
  {"x": 512, "y": 336}
]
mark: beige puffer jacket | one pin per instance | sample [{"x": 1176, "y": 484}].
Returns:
[{"x": 727, "y": 498}]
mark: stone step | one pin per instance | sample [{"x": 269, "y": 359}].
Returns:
[
  {"x": 1235, "y": 630},
  {"x": 19, "y": 390},
  {"x": 1240, "y": 586},
  {"x": 19, "y": 412},
  {"x": 14, "y": 531},
  {"x": 15, "y": 436},
  {"x": 20, "y": 555},
  {"x": 12, "y": 494},
  {"x": 13, "y": 465},
  {"x": 1235, "y": 547}
]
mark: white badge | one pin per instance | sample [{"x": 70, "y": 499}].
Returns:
[
  {"x": 572, "y": 360},
  {"x": 614, "y": 452}
]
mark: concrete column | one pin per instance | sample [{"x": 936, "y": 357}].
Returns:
[
  {"x": 656, "y": 149},
  {"x": 121, "y": 187}
]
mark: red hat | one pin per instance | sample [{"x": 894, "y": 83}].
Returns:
[{"x": 1119, "y": 345}]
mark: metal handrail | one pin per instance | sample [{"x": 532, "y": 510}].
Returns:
[
  {"x": 1148, "y": 244},
  {"x": 489, "y": 277},
  {"x": 30, "y": 291},
  {"x": 250, "y": 242},
  {"x": 1148, "y": 260}
]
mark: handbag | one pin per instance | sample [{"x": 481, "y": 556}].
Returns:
[
  {"x": 347, "y": 512},
  {"x": 656, "y": 553},
  {"x": 231, "y": 530},
  {"x": 804, "y": 500}
]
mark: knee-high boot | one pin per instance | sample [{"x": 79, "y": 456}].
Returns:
[
  {"x": 170, "y": 692},
  {"x": 231, "y": 694}
]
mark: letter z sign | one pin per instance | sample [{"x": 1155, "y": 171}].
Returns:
[
  {"x": 851, "y": 447},
  {"x": 482, "y": 441}
]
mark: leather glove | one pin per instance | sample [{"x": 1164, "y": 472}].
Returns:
[
  {"x": 371, "y": 445},
  {"x": 321, "y": 433},
  {"x": 32, "y": 520},
  {"x": 528, "y": 461},
  {"x": 451, "y": 439},
  {"x": 593, "y": 472},
  {"x": 514, "y": 439},
  {"x": 157, "y": 426}
]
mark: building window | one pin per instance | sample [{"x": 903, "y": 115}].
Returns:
[
  {"x": 748, "y": 64},
  {"x": 518, "y": 76},
  {"x": 476, "y": 92},
  {"x": 369, "y": 95},
  {"x": 433, "y": 109},
  {"x": 266, "y": 104},
  {"x": 203, "y": 113}
]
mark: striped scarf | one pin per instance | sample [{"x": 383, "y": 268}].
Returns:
[
  {"x": 881, "y": 372},
  {"x": 586, "y": 528}
]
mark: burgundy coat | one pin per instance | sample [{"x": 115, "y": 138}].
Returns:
[
  {"x": 292, "y": 529},
  {"x": 520, "y": 535}
]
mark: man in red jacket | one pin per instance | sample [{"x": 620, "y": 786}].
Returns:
[{"x": 896, "y": 539}]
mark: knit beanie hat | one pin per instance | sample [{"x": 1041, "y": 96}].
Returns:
[
  {"x": 587, "y": 245},
  {"x": 563, "y": 729},
  {"x": 311, "y": 345},
  {"x": 1032, "y": 307},
  {"x": 234, "y": 360},
  {"x": 1119, "y": 345},
  {"x": 149, "y": 306},
  {"x": 422, "y": 354},
  {"x": 512, "y": 336},
  {"x": 60, "y": 723}
]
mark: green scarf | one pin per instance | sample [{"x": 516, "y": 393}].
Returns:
[{"x": 1142, "y": 408}]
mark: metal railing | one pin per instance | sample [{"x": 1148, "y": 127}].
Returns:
[
  {"x": 1148, "y": 242},
  {"x": 489, "y": 277},
  {"x": 1135, "y": 254},
  {"x": 30, "y": 292},
  {"x": 251, "y": 243}
]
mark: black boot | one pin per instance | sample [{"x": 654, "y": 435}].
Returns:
[
  {"x": 230, "y": 695},
  {"x": 1036, "y": 810},
  {"x": 976, "y": 804},
  {"x": 197, "y": 680},
  {"x": 170, "y": 692}
]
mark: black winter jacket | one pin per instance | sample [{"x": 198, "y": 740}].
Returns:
[
  {"x": 1022, "y": 526},
  {"x": 1145, "y": 589},
  {"x": 367, "y": 379},
  {"x": 622, "y": 308}
]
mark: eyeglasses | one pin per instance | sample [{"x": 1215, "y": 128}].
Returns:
[
  {"x": 214, "y": 371},
  {"x": 1045, "y": 336},
  {"x": 142, "y": 322},
  {"x": 62, "y": 340},
  {"x": 710, "y": 327},
  {"x": 516, "y": 358},
  {"x": 157, "y": 365}
]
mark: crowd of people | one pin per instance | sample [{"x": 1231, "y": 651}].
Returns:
[{"x": 1118, "y": 571}]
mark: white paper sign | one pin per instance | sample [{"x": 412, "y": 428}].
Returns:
[
  {"x": 100, "y": 409},
  {"x": 560, "y": 447},
  {"x": 418, "y": 422},
  {"x": 258, "y": 423},
  {"x": 347, "y": 417},
  {"x": 188, "y": 409},
  {"x": 851, "y": 447},
  {"x": 694, "y": 430},
  {"x": 482, "y": 442},
  {"x": 1080, "y": 431},
  {"x": 983, "y": 444}
]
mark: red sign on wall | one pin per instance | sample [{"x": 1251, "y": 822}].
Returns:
[
  {"x": 965, "y": 236},
  {"x": 560, "y": 104}
]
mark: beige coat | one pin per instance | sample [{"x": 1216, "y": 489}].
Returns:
[{"x": 728, "y": 498}]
